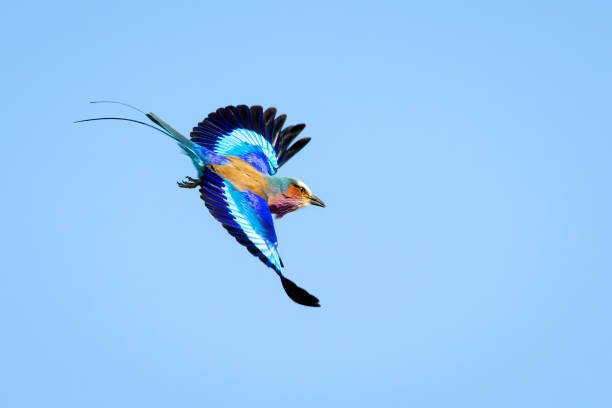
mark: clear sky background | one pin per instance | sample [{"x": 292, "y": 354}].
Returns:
[{"x": 464, "y": 151}]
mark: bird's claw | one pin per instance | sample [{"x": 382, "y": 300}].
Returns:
[{"x": 189, "y": 182}]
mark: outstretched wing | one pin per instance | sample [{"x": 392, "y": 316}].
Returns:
[
  {"x": 247, "y": 218},
  {"x": 244, "y": 215},
  {"x": 254, "y": 135}
]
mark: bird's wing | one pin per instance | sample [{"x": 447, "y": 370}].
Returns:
[
  {"x": 255, "y": 135},
  {"x": 244, "y": 215},
  {"x": 247, "y": 218}
]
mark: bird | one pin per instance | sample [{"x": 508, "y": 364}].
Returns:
[{"x": 236, "y": 151}]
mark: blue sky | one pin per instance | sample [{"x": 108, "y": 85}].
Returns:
[{"x": 463, "y": 259}]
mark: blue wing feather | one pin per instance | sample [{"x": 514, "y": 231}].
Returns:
[
  {"x": 245, "y": 216},
  {"x": 250, "y": 133}
]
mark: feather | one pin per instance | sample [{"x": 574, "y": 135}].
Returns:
[
  {"x": 254, "y": 135},
  {"x": 278, "y": 126},
  {"x": 247, "y": 218},
  {"x": 296, "y": 147}
]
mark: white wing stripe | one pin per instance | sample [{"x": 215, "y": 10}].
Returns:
[
  {"x": 248, "y": 229},
  {"x": 241, "y": 136}
]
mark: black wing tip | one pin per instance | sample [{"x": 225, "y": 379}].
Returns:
[{"x": 299, "y": 295}]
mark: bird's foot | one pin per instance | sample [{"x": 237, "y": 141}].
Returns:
[{"x": 189, "y": 182}]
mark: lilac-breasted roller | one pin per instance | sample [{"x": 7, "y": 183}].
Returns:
[{"x": 236, "y": 151}]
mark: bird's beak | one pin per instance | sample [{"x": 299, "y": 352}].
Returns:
[{"x": 314, "y": 200}]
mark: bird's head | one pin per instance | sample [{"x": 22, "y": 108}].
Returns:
[
  {"x": 302, "y": 192},
  {"x": 292, "y": 195}
]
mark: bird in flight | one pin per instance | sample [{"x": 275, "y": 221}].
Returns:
[{"x": 236, "y": 152}]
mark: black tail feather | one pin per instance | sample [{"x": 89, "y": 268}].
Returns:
[
  {"x": 299, "y": 295},
  {"x": 128, "y": 120}
]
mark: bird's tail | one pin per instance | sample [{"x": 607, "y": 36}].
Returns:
[
  {"x": 191, "y": 149},
  {"x": 196, "y": 153}
]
